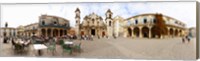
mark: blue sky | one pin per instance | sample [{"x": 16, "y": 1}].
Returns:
[{"x": 23, "y": 14}]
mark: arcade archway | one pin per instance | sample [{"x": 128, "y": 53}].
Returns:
[
  {"x": 145, "y": 31},
  {"x": 129, "y": 32},
  {"x": 136, "y": 31}
]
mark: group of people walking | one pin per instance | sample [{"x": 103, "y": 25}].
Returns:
[
  {"x": 87, "y": 37},
  {"x": 186, "y": 38}
]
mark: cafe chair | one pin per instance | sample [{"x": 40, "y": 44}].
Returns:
[
  {"x": 52, "y": 47},
  {"x": 67, "y": 49},
  {"x": 78, "y": 47}
]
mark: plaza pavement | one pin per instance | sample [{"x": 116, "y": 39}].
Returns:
[{"x": 130, "y": 48}]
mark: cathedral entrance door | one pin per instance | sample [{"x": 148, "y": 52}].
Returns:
[
  {"x": 103, "y": 34},
  {"x": 92, "y": 31},
  {"x": 82, "y": 33}
]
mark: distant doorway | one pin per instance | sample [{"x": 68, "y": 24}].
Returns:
[
  {"x": 92, "y": 31},
  {"x": 4, "y": 33},
  {"x": 82, "y": 33},
  {"x": 145, "y": 32},
  {"x": 103, "y": 34},
  {"x": 136, "y": 31},
  {"x": 129, "y": 32}
]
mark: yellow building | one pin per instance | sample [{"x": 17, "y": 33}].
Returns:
[
  {"x": 143, "y": 25},
  {"x": 47, "y": 26}
]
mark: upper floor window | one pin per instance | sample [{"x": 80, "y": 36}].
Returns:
[
  {"x": 136, "y": 21},
  {"x": 154, "y": 20},
  {"x": 93, "y": 21},
  {"x": 55, "y": 22},
  {"x": 176, "y": 22},
  {"x": 43, "y": 23},
  {"x": 88, "y": 22},
  {"x": 109, "y": 23},
  {"x": 98, "y": 23},
  {"x": 145, "y": 20},
  {"x": 109, "y": 15},
  {"x": 33, "y": 27}
]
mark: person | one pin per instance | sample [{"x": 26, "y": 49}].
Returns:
[
  {"x": 183, "y": 39},
  {"x": 188, "y": 39},
  {"x": 91, "y": 37},
  {"x": 98, "y": 37}
]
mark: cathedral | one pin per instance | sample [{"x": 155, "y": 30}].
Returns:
[{"x": 94, "y": 24}]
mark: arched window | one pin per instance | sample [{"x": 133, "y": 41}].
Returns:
[
  {"x": 109, "y": 15},
  {"x": 154, "y": 20},
  {"x": 43, "y": 23},
  {"x": 88, "y": 22},
  {"x": 136, "y": 21},
  {"x": 66, "y": 24},
  {"x": 98, "y": 23},
  {"x": 93, "y": 21},
  {"x": 109, "y": 23},
  {"x": 145, "y": 20},
  {"x": 33, "y": 27},
  {"x": 55, "y": 22}
]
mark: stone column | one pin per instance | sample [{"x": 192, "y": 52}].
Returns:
[
  {"x": 168, "y": 33},
  {"x": 51, "y": 32},
  {"x": 133, "y": 35},
  {"x": 39, "y": 32},
  {"x": 58, "y": 32},
  {"x": 140, "y": 33},
  {"x": 149, "y": 32},
  {"x": 46, "y": 33}
]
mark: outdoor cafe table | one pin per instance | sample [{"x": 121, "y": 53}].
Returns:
[
  {"x": 19, "y": 42},
  {"x": 39, "y": 47},
  {"x": 68, "y": 42}
]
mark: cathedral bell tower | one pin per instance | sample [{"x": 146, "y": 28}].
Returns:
[
  {"x": 109, "y": 23},
  {"x": 77, "y": 23}
]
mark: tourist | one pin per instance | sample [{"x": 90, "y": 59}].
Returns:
[
  {"x": 183, "y": 39},
  {"x": 188, "y": 39},
  {"x": 5, "y": 40},
  {"x": 98, "y": 37},
  {"x": 91, "y": 37}
]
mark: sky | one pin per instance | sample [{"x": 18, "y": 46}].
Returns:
[{"x": 24, "y": 14}]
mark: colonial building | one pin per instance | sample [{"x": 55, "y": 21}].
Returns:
[
  {"x": 118, "y": 26},
  {"x": 47, "y": 26},
  {"x": 7, "y": 31},
  {"x": 143, "y": 25}
]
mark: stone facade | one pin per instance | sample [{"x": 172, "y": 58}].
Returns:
[
  {"x": 51, "y": 26},
  {"x": 94, "y": 24},
  {"x": 8, "y": 32},
  {"x": 143, "y": 26}
]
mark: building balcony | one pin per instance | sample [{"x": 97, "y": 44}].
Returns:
[{"x": 55, "y": 26}]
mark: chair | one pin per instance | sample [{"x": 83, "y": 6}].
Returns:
[
  {"x": 52, "y": 47},
  {"x": 61, "y": 42},
  {"x": 18, "y": 48},
  {"x": 13, "y": 43},
  {"x": 66, "y": 48},
  {"x": 78, "y": 47}
]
